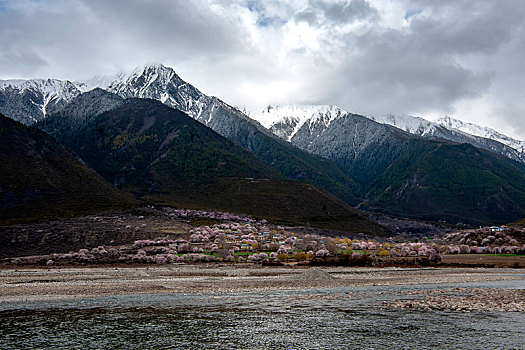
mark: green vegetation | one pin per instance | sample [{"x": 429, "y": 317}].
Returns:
[
  {"x": 290, "y": 161},
  {"x": 510, "y": 255},
  {"x": 520, "y": 222},
  {"x": 145, "y": 145},
  {"x": 451, "y": 182},
  {"x": 302, "y": 166}
]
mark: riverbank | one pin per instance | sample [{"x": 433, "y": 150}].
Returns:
[
  {"x": 466, "y": 300},
  {"x": 41, "y": 284}
]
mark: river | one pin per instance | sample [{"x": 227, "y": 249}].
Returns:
[{"x": 358, "y": 317}]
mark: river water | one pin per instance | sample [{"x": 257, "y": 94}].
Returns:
[{"x": 335, "y": 318}]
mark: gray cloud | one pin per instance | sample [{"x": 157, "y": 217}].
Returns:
[
  {"x": 471, "y": 27},
  {"x": 101, "y": 35},
  {"x": 447, "y": 53},
  {"x": 382, "y": 80},
  {"x": 321, "y": 12},
  {"x": 14, "y": 64}
]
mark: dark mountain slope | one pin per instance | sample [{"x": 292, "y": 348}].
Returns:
[
  {"x": 162, "y": 83},
  {"x": 289, "y": 160},
  {"x": 78, "y": 112},
  {"x": 39, "y": 178},
  {"x": 166, "y": 157},
  {"x": 451, "y": 182},
  {"x": 146, "y": 146},
  {"x": 408, "y": 176},
  {"x": 363, "y": 148},
  {"x": 520, "y": 222}
]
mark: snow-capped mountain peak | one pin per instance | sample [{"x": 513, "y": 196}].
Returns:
[
  {"x": 32, "y": 100},
  {"x": 141, "y": 76},
  {"x": 286, "y": 120},
  {"x": 154, "y": 81}
]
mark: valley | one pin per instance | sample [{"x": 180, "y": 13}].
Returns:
[
  {"x": 155, "y": 140},
  {"x": 387, "y": 168},
  {"x": 307, "y": 174}
]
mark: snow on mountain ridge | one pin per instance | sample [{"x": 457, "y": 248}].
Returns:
[
  {"x": 154, "y": 81},
  {"x": 41, "y": 93},
  {"x": 116, "y": 82},
  {"x": 426, "y": 128},
  {"x": 410, "y": 124},
  {"x": 63, "y": 89},
  {"x": 455, "y": 130},
  {"x": 481, "y": 131},
  {"x": 286, "y": 120}
]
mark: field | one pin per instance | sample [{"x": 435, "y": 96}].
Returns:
[{"x": 485, "y": 260}]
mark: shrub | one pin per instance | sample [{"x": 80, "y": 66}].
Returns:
[
  {"x": 257, "y": 257},
  {"x": 465, "y": 249},
  {"x": 321, "y": 253},
  {"x": 356, "y": 256},
  {"x": 160, "y": 259},
  {"x": 301, "y": 256},
  {"x": 184, "y": 247},
  {"x": 282, "y": 256},
  {"x": 383, "y": 252}
]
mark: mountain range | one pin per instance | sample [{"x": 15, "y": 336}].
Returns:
[
  {"x": 29, "y": 101},
  {"x": 285, "y": 121},
  {"x": 427, "y": 171}
]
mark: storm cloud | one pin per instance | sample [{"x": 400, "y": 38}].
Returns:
[{"x": 427, "y": 58}]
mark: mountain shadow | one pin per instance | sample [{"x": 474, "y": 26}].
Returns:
[{"x": 39, "y": 178}]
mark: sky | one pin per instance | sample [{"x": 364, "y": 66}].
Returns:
[{"x": 428, "y": 58}]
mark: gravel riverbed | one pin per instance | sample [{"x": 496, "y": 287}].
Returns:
[{"x": 41, "y": 284}]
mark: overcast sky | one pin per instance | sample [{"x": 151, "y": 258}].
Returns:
[{"x": 429, "y": 58}]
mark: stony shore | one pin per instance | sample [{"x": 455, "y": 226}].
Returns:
[
  {"x": 41, "y": 284},
  {"x": 468, "y": 300}
]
